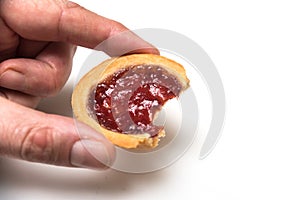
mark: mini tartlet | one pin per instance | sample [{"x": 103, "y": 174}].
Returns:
[{"x": 140, "y": 82}]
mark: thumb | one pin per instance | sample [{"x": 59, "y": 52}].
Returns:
[
  {"x": 38, "y": 137},
  {"x": 68, "y": 22}
]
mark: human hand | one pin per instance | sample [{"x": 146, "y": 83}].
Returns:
[{"x": 37, "y": 43}]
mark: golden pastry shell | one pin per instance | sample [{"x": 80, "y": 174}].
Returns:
[{"x": 84, "y": 87}]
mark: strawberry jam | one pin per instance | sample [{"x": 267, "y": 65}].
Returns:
[{"x": 127, "y": 101}]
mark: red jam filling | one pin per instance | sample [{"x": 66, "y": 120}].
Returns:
[{"x": 127, "y": 101}]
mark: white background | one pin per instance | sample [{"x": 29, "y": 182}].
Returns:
[{"x": 256, "y": 48}]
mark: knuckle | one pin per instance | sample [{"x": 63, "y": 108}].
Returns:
[
  {"x": 39, "y": 146},
  {"x": 66, "y": 9}
]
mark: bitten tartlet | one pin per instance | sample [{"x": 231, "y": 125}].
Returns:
[{"x": 121, "y": 97}]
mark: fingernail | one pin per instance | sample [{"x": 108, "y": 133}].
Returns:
[
  {"x": 90, "y": 154},
  {"x": 12, "y": 79}
]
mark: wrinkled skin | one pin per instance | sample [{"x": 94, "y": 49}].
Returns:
[{"x": 37, "y": 43}]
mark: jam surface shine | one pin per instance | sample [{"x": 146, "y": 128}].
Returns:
[{"x": 127, "y": 101}]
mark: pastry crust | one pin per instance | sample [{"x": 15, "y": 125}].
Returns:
[{"x": 82, "y": 91}]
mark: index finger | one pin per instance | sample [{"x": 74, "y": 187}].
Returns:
[{"x": 68, "y": 22}]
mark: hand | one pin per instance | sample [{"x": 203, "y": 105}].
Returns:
[{"x": 37, "y": 43}]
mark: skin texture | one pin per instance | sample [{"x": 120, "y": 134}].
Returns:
[{"x": 35, "y": 62}]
